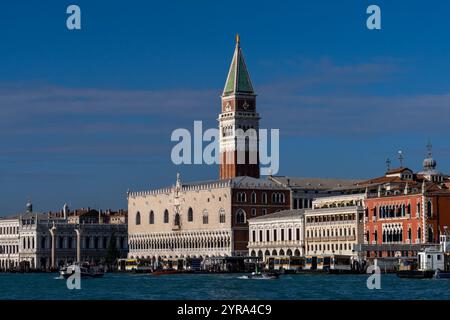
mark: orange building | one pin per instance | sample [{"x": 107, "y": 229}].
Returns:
[{"x": 405, "y": 211}]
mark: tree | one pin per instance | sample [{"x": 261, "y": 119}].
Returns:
[{"x": 112, "y": 254}]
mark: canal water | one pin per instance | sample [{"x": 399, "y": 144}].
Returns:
[{"x": 221, "y": 287}]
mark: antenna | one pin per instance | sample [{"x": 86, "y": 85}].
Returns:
[
  {"x": 388, "y": 164},
  {"x": 429, "y": 147},
  {"x": 401, "y": 158}
]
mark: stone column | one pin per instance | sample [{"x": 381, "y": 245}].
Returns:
[
  {"x": 78, "y": 232},
  {"x": 53, "y": 234}
]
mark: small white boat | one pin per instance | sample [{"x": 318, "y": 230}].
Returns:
[
  {"x": 262, "y": 276},
  {"x": 85, "y": 270}
]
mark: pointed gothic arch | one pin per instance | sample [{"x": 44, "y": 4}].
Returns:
[
  {"x": 240, "y": 216},
  {"x": 138, "y": 218}
]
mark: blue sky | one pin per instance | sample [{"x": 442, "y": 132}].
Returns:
[{"x": 85, "y": 115}]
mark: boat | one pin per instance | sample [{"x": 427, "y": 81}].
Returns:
[
  {"x": 258, "y": 275},
  {"x": 430, "y": 261},
  {"x": 85, "y": 270},
  {"x": 166, "y": 272},
  {"x": 439, "y": 274},
  {"x": 263, "y": 276},
  {"x": 416, "y": 274}
]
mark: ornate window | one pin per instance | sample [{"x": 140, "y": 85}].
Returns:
[
  {"x": 190, "y": 215},
  {"x": 278, "y": 197},
  {"x": 205, "y": 216},
  {"x": 222, "y": 215},
  {"x": 151, "y": 217},
  {"x": 138, "y": 218},
  {"x": 241, "y": 197},
  {"x": 166, "y": 216},
  {"x": 240, "y": 216}
]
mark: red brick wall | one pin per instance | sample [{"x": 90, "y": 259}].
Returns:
[{"x": 241, "y": 230}]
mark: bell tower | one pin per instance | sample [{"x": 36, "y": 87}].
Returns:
[{"x": 238, "y": 114}]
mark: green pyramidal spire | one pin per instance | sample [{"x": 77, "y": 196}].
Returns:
[{"x": 238, "y": 80}]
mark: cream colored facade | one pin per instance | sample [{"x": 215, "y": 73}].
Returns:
[
  {"x": 335, "y": 225},
  {"x": 206, "y": 234},
  {"x": 277, "y": 234},
  {"x": 195, "y": 220},
  {"x": 42, "y": 241},
  {"x": 9, "y": 243}
]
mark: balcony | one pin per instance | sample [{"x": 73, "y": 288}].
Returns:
[{"x": 335, "y": 238}]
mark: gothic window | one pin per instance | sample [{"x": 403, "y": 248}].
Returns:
[
  {"x": 190, "y": 215},
  {"x": 253, "y": 212},
  {"x": 264, "y": 198},
  {"x": 138, "y": 218},
  {"x": 241, "y": 197},
  {"x": 429, "y": 209},
  {"x": 222, "y": 215},
  {"x": 205, "y": 216},
  {"x": 253, "y": 197},
  {"x": 151, "y": 218},
  {"x": 240, "y": 216},
  {"x": 166, "y": 216},
  {"x": 419, "y": 233}
]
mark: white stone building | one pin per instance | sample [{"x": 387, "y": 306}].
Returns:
[
  {"x": 41, "y": 241},
  {"x": 277, "y": 234},
  {"x": 335, "y": 225}
]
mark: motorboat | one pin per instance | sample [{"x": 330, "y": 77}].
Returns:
[
  {"x": 85, "y": 270},
  {"x": 439, "y": 274},
  {"x": 166, "y": 272},
  {"x": 263, "y": 276}
]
